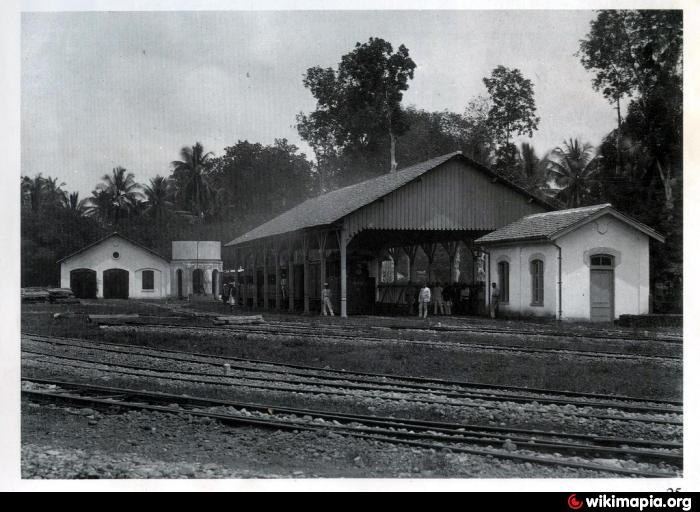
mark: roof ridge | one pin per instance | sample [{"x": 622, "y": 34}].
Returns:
[{"x": 570, "y": 210}]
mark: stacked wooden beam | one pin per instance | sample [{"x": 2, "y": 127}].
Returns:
[{"x": 239, "y": 320}]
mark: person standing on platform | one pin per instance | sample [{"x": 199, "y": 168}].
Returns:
[
  {"x": 438, "y": 299},
  {"x": 495, "y": 297},
  {"x": 423, "y": 301},
  {"x": 464, "y": 299},
  {"x": 326, "y": 300}
]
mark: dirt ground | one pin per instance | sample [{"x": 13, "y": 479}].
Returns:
[{"x": 62, "y": 442}]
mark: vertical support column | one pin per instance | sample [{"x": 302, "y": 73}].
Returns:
[
  {"x": 305, "y": 255},
  {"x": 290, "y": 274},
  {"x": 429, "y": 250},
  {"x": 278, "y": 276},
  {"x": 266, "y": 279},
  {"x": 378, "y": 280},
  {"x": 322, "y": 242},
  {"x": 452, "y": 249},
  {"x": 410, "y": 251},
  {"x": 343, "y": 245},
  {"x": 395, "y": 253},
  {"x": 244, "y": 290},
  {"x": 255, "y": 277}
]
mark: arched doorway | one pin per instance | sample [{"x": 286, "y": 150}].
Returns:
[
  {"x": 215, "y": 283},
  {"x": 602, "y": 288},
  {"x": 83, "y": 282},
  {"x": 198, "y": 281},
  {"x": 179, "y": 284},
  {"x": 116, "y": 284}
]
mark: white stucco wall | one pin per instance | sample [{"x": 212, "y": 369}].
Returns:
[
  {"x": 193, "y": 250},
  {"x": 631, "y": 250},
  {"x": 189, "y": 256},
  {"x": 519, "y": 258},
  {"x": 605, "y": 235},
  {"x": 132, "y": 258}
]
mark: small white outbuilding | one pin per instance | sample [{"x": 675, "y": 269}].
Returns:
[
  {"x": 118, "y": 268},
  {"x": 588, "y": 263}
]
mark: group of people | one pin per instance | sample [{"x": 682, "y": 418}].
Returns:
[
  {"x": 451, "y": 297},
  {"x": 229, "y": 294},
  {"x": 446, "y": 299}
]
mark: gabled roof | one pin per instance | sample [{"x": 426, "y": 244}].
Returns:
[
  {"x": 333, "y": 206},
  {"x": 98, "y": 242},
  {"x": 552, "y": 225}
]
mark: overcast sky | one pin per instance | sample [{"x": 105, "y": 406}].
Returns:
[{"x": 130, "y": 89}]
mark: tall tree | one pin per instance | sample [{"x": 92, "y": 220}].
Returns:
[
  {"x": 639, "y": 54},
  {"x": 73, "y": 203},
  {"x": 255, "y": 182},
  {"x": 532, "y": 168},
  {"x": 158, "y": 195},
  {"x": 512, "y": 104},
  {"x": 191, "y": 178},
  {"x": 40, "y": 192},
  {"x": 116, "y": 197},
  {"x": 573, "y": 168},
  {"x": 359, "y": 104}
]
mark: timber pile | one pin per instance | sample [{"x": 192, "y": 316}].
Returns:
[
  {"x": 53, "y": 295},
  {"x": 651, "y": 320},
  {"x": 239, "y": 320},
  {"x": 34, "y": 295},
  {"x": 62, "y": 296},
  {"x": 99, "y": 319},
  {"x": 136, "y": 319}
]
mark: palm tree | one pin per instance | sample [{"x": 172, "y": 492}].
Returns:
[
  {"x": 117, "y": 196},
  {"x": 158, "y": 197},
  {"x": 32, "y": 191},
  {"x": 191, "y": 177},
  {"x": 73, "y": 203},
  {"x": 573, "y": 168},
  {"x": 531, "y": 167},
  {"x": 40, "y": 192}
]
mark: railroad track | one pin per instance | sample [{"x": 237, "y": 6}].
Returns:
[
  {"x": 345, "y": 337},
  {"x": 522, "y": 445},
  {"x": 280, "y": 377}
]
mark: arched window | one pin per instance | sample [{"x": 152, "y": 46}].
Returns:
[
  {"x": 537, "y": 279},
  {"x": 504, "y": 281},
  {"x": 602, "y": 260}
]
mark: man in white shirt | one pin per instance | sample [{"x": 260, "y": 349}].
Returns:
[{"x": 423, "y": 301}]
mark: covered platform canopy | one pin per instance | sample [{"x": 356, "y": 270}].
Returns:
[{"x": 342, "y": 237}]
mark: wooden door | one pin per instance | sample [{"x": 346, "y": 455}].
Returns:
[
  {"x": 602, "y": 295},
  {"x": 116, "y": 284}
]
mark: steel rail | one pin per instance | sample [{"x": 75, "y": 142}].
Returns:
[
  {"x": 386, "y": 385},
  {"x": 196, "y": 378},
  {"x": 395, "y": 437},
  {"x": 426, "y": 380}
]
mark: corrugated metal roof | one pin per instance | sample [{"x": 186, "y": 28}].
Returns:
[
  {"x": 547, "y": 226},
  {"x": 333, "y": 206}
]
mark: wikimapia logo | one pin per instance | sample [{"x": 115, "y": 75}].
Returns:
[
  {"x": 634, "y": 502},
  {"x": 574, "y": 503}
]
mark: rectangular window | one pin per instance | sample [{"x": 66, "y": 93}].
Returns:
[
  {"x": 147, "y": 280},
  {"x": 504, "y": 281},
  {"x": 537, "y": 276}
]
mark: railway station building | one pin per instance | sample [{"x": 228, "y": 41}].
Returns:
[
  {"x": 345, "y": 238},
  {"x": 588, "y": 264}
]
